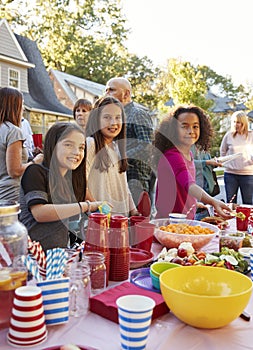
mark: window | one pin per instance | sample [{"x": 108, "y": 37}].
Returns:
[{"x": 14, "y": 78}]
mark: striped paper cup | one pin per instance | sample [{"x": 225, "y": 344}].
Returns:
[
  {"x": 55, "y": 295},
  {"x": 27, "y": 323},
  {"x": 135, "y": 313}
]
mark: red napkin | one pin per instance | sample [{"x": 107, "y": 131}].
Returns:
[{"x": 104, "y": 304}]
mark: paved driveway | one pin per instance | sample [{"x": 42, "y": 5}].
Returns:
[{"x": 222, "y": 194}]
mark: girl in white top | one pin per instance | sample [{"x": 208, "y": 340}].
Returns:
[
  {"x": 239, "y": 171},
  {"x": 106, "y": 156}
]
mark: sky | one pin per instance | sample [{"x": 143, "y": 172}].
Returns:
[{"x": 217, "y": 33}]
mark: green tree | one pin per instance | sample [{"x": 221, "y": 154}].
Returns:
[
  {"x": 183, "y": 83},
  {"x": 84, "y": 38}
]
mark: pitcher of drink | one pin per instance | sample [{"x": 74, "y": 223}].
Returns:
[{"x": 13, "y": 244}]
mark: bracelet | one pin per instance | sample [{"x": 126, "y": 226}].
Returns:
[
  {"x": 88, "y": 206},
  {"x": 81, "y": 210}
]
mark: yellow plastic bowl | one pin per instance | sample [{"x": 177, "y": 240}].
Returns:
[{"x": 205, "y": 297}]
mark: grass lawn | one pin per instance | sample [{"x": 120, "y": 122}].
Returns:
[{"x": 219, "y": 172}]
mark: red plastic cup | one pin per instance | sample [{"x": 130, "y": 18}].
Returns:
[
  {"x": 242, "y": 225},
  {"x": 118, "y": 236},
  {"x": 119, "y": 248},
  {"x": 97, "y": 230},
  {"x": 136, "y": 219},
  {"x": 144, "y": 233},
  {"x": 133, "y": 220}
]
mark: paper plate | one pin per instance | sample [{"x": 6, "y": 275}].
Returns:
[
  {"x": 224, "y": 160},
  {"x": 139, "y": 257},
  {"x": 57, "y": 347},
  {"x": 141, "y": 278}
]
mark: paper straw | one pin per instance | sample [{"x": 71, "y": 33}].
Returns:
[
  {"x": 37, "y": 251},
  {"x": 41, "y": 255},
  {"x": 232, "y": 198},
  {"x": 57, "y": 262},
  {"x": 62, "y": 263},
  {"x": 79, "y": 250},
  {"x": 49, "y": 264},
  {"x": 31, "y": 266},
  {"x": 55, "y": 258},
  {"x": 191, "y": 208}
]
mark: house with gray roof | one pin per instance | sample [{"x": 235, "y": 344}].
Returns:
[
  {"x": 69, "y": 88},
  {"x": 22, "y": 67}
]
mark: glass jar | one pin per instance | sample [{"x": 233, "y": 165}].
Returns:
[
  {"x": 13, "y": 244},
  {"x": 96, "y": 262},
  {"x": 80, "y": 288}
]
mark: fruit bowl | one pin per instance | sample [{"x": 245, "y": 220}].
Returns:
[
  {"x": 173, "y": 240},
  {"x": 205, "y": 297}
]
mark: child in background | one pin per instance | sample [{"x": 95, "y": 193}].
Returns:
[
  {"x": 81, "y": 111},
  {"x": 54, "y": 191},
  {"x": 106, "y": 156},
  {"x": 177, "y": 191}
]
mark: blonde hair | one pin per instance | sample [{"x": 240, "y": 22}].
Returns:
[{"x": 241, "y": 117}]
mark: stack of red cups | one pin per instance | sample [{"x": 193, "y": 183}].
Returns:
[
  {"x": 119, "y": 248},
  {"x": 97, "y": 238}
]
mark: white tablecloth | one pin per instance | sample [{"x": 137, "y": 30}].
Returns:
[{"x": 166, "y": 333}]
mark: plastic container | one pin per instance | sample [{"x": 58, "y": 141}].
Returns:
[
  {"x": 13, "y": 244},
  {"x": 231, "y": 241}
]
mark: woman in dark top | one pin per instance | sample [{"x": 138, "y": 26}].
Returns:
[{"x": 54, "y": 191}]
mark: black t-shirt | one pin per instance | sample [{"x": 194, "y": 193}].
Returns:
[{"x": 35, "y": 190}]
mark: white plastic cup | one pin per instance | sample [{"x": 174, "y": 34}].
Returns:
[
  {"x": 134, "y": 315},
  {"x": 177, "y": 218},
  {"x": 55, "y": 296}
]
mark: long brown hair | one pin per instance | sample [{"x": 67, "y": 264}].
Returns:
[
  {"x": 73, "y": 186},
  {"x": 11, "y": 104},
  {"x": 93, "y": 129}
]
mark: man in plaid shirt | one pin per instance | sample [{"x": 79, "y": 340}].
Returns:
[{"x": 139, "y": 137}]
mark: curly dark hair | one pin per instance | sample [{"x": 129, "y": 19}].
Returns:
[{"x": 166, "y": 135}]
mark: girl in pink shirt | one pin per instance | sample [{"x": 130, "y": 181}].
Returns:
[{"x": 177, "y": 191}]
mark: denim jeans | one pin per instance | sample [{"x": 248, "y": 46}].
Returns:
[{"x": 233, "y": 182}]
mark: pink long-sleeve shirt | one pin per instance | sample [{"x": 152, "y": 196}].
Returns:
[{"x": 175, "y": 174}]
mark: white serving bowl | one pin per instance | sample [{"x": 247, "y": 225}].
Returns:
[{"x": 173, "y": 240}]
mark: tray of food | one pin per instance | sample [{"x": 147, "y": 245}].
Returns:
[{"x": 186, "y": 255}]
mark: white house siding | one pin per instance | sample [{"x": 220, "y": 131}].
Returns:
[
  {"x": 8, "y": 46},
  {"x": 5, "y": 66}
]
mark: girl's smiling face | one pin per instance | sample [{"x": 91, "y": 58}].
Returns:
[
  {"x": 70, "y": 151},
  {"x": 110, "y": 122},
  {"x": 188, "y": 129}
]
